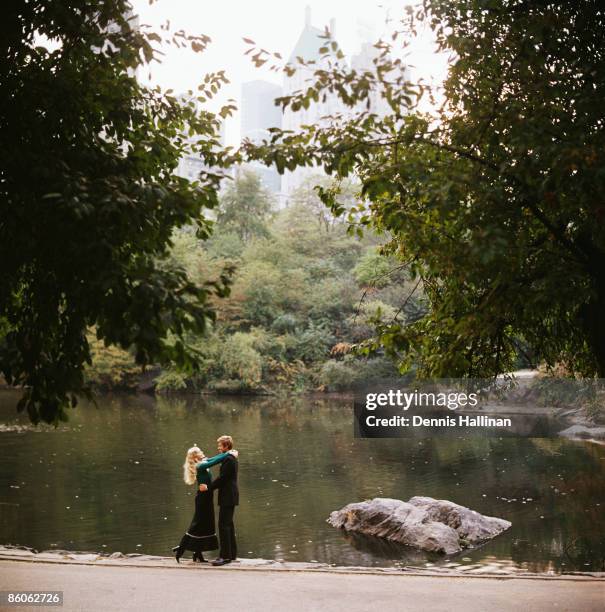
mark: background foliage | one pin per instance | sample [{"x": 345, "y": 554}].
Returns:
[
  {"x": 492, "y": 197},
  {"x": 303, "y": 293},
  {"x": 89, "y": 200}
]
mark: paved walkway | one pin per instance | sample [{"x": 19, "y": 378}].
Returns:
[{"x": 93, "y": 588}]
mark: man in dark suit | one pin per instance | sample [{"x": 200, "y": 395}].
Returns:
[{"x": 228, "y": 498}]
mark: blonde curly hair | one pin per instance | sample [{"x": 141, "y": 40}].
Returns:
[{"x": 189, "y": 467}]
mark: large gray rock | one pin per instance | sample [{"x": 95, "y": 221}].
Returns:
[{"x": 434, "y": 525}]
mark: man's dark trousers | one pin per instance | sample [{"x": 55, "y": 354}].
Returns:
[
  {"x": 226, "y": 532},
  {"x": 228, "y": 498}
]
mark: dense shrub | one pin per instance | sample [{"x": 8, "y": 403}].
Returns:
[{"x": 297, "y": 293}]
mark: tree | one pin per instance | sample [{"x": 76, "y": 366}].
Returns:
[
  {"x": 306, "y": 195},
  {"x": 245, "y": 206},
  {"x": 88, "y": 198},
  {"x": 373, "y": 269},
  {"x": 493, "y": 198}
]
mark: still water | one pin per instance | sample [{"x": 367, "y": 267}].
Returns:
[{"x": 110, "y": 480}]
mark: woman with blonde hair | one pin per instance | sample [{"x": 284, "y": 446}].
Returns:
[{"x": 201, "y": 534}]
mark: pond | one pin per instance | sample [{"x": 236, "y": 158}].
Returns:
[{"x": 110, "y": 480}]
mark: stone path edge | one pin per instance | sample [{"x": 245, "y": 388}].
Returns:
[{"x": 163, "y": 563}]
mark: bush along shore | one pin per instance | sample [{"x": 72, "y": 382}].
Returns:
[{"x": 304, "y": 291}]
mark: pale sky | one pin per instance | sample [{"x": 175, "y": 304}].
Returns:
[{"x": 274, "y": 25}]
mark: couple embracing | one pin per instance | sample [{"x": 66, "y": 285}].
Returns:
[{"x": 201, "y": 535}]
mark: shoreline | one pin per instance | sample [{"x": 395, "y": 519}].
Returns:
[{"x": 136, "y": 560}]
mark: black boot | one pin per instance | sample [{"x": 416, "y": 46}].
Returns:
[
  {"x": 178, "y": 551},
  {"x": 199, "y": 557},
  {"x": 221, "y": 561}
]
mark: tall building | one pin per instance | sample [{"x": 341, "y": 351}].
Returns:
[
  {"x": 307, "y": 48},
  {"x": 320, "y": 113},
  {"x": 362, "y": 62},
  {"x": 259, "y": 113}
]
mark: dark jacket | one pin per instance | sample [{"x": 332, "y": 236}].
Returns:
[{"x": 226, "y": 483}]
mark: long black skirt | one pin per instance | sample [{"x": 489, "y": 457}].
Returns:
[{"x": 201, "y": 534}]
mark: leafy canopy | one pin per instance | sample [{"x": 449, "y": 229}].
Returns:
[
  {"x": 493, "y": 198},
  {"x": 245, "y": 206},
  {"x": 88, "y": 198}
]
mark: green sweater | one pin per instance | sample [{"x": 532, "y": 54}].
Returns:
[{"x": 203, "y": 473}]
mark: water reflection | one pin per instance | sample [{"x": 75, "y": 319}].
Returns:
[
  {"x": 397, "y": 554},
  {"x": 110, "y": 481}
]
